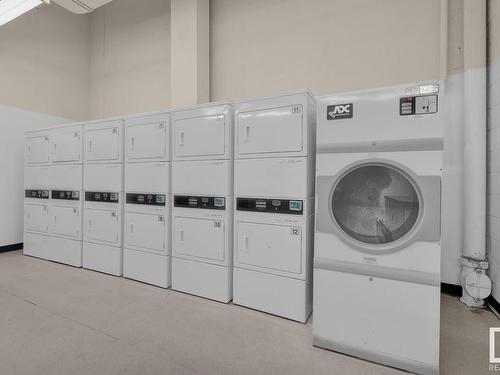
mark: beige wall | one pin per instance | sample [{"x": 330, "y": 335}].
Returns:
[
  {"x": 260, "y": 47},
  {"x": 130, "y": 58},
  {"x": 44, "y": 60}
]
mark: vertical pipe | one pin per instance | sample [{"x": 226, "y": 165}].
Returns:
[{"x": 475, "y": 129}]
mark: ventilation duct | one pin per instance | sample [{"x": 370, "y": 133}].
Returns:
[{"x": 81, "y": 6}]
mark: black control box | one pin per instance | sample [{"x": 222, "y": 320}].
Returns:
[
  {"x": 193, "y": 201},
  {"x": 67, "y": 195},
  {"x": 102, "y": 196},
  {"x": 146, "y": 199},
  {"x": 38, "y": 194},
  {"x": 279, "y": 206}
]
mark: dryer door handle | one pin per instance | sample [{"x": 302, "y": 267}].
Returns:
[
  {"x": 247, "y": 242},
  {"x": 181, "y": 232}
]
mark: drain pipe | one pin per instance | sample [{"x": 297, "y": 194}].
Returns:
[{"x": 476, "y": 285}]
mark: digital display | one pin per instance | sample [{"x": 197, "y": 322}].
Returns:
[
  {"x": 160, "y": 199},
  {"x": 295, "y": 206},
  {"x": 219, "y": 202}
]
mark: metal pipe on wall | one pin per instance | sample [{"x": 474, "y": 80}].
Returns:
[{"x": 476, "y": 285}]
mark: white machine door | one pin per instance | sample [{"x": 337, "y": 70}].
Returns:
[
  {"x": 146, "y": 230},
  {"x": 200, "y": 136},
  {"x": 66, "y": 145},
  {"x": 145, "y": 141},
  {"x": 36, "y": 150},
  {"x": 102, "y": 225},
  {"x": 199, "y": 238},
  {"x": 271, "y": 130},
  {"x": 36, "y": 218},
  {"x": 102, "y": 144},
  {"x": 272, "y": 247},
  {"x": 65, "y": 221}
]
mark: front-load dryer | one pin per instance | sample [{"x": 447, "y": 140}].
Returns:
[
  {"x": 37, "y": 147},
  {"x": 147, "y": 255},
  {"x": 273, "y": 239},
  {"x": 202, "y": 242},
  {"x": 66, "y": 212},
  {"x": 378, "y": 213},
  {"x": 274, "y": 141},
  {"x": 36, "y": 210},
  {"x": 202, "y": 188},
  {"x": 103, "y": 218}
]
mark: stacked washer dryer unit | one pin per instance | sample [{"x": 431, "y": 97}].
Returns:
[
  {"x": 274, "y": 188},
  {"x": 202, "y": 185},
  {"x": 36, "y": 193},
  {"x": 147, "y": 255},
  {"x": 377, "y": 241},
  {"x": 103, "y": 183},
  {"x": 66, "y": 204}
]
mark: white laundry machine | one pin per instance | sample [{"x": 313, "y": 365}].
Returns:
[
  {"x": 103, "y": 185},
  {"x": 377, "y": 241},
  {"x": 66, "y": 182},
  {"x": 274, "y": 187},
  {"x": 147, "y": 254},
  {"x": 36, "y": 193},
  {"x": 202, "y": 213}
]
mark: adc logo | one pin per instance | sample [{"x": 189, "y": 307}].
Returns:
[{"x": 339, "y": 111}]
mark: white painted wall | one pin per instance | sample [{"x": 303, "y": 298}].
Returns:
[
  {"x": 493, "y": 215},
  {"x": 13, "y": 123},
  {"x": 130, "y": 58},
  {"x": 44, "y": 60}
]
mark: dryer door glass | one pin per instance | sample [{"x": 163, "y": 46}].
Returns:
[{"x": 375, "y": 204}]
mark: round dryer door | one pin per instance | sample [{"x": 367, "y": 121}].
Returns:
[{"x": 375, "y": 204}]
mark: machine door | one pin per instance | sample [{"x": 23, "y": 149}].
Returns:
[
  {"x": 375, "y": 205},
  {"x": 271, "y": 247},
  {"x": 66, "y": 145},
  {"x": 66, "y": 221},
  {"x": 147, "y": 141},
  {"x": 103, "y": 144},
  {"x": 199, "y": 238},
  {"x": 271, "y": 130},
  {"x": 146, "y": 230},
  {"x": 200, "y": 136},
  {"x": 36, "y": 149},
  {"x": 36, "y": 218},
  {"x": 102, "y": 225}
]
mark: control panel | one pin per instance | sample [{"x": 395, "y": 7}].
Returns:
[
  {"x": 279, "y": 206},
  {"x": 147, "y": 199},
  {"x": 102, "y": 196},
  {"x": 39, "y": 194},
  {"x": 418, "y": 105},
  {"x": 67, "y": 195},
  {"x": 190, "y": 201}
]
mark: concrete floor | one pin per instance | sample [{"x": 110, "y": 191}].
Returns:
[{"x": 56, "y": 319}]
